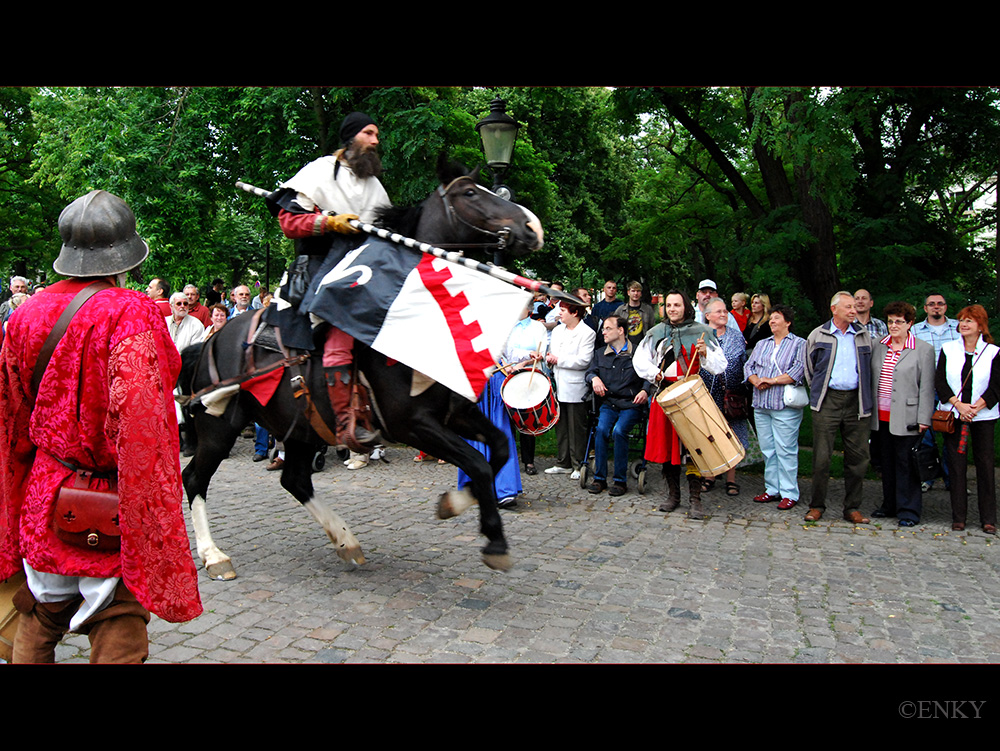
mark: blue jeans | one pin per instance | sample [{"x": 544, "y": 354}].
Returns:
[
  {"x": 778, "y": 433},
  {"x": 260, "y": 440},
  {"x": 612, "y": 421}
]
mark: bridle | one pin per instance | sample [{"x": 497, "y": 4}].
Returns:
[{"x": 454, "y": 218}]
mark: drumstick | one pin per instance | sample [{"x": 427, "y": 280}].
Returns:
[
  {"x": 538, "y": 351},
  {"x": 693, "y": 359}
]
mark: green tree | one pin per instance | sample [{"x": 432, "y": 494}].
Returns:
[{"x": 28, "y": 211}]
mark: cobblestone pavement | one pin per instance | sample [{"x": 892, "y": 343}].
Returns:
[{"x": 595, "y": 580}]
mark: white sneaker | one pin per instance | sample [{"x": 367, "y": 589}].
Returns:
[
  {"x": 557, "y": 471},
  {"x": 575, "y": 475}
]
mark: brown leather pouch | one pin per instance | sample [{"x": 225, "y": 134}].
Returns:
[
  {"x": 88, "y": 518},
  {"x": 943, "y": 421}
]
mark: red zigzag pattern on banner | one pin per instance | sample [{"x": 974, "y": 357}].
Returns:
[{"x": 474, "y": 362}]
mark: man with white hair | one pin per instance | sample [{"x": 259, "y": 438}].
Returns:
[
  {"x": 241, "y": 297},
  {"x": 18, "y": 285},
  {"x": 838, "y": 371},
  {"x": 184, "y": 329}
]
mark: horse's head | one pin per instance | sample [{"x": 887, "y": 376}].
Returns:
[{"x": 461, "y": 211}]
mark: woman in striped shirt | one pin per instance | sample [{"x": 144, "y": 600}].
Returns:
[
  {"x": 777, "y": 362},
  {"x": 903, "y": 382}
]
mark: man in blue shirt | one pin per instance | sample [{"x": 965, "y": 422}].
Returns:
[
  {"x": 838, "y": 370},
  {"x": 935, "y": 329},
  {"x": 607, "y": 305}
]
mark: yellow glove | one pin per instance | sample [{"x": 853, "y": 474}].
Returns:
[{"x": 338, "y": 223}]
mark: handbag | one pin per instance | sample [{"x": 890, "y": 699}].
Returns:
[
  {"x": 88, "y": 518},
  {"x": 734, "y": 405},
  {"x": 795, "y": 397},
  {"x": 943, "y": 421}
]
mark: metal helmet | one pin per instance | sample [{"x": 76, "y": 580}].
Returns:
[{"x": 99, "y": 237}]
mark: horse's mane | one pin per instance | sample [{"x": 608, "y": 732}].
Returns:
[{"x": 401, "y": 219}]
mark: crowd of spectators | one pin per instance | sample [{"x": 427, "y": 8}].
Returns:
[{"x": 871, "y": 382}]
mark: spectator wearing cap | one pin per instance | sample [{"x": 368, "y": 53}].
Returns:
[{"x": 708, "y": 291}]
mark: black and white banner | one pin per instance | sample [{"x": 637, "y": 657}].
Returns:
[{"x": 442, "y": 319}]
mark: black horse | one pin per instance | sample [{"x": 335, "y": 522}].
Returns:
[{"x": 460, "y": 213}]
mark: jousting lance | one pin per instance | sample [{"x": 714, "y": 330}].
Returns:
[{"x": 445, "y": 255}]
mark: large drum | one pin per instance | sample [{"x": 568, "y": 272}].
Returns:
[
  {"x": 702, "y": 428},
  {"x": 530, "y": 401}
]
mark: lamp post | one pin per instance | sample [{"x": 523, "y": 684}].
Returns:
[{"x": 498, "y": 131}]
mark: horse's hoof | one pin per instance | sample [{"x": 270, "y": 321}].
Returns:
[
  {"x": 454, "y": 502},
  {"x": 445, "y": 509},
  {"x": 221, "y": 571},
  {"x": 498, "y": 562},
  {"x": 351, "y": 555}
]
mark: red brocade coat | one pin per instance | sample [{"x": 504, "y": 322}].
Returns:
[{"x": 105, "y": 401}]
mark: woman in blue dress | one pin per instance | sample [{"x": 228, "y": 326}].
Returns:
[
  {"x": 527, "y": 341},
  {"x": 734, "y": 347}
]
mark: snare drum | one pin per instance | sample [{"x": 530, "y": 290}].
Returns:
[
  {"x": 712, "y": 444},
  {"x": 530, "y": 401}
]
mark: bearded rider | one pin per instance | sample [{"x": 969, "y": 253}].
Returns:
[{"x": 343, "y": 185}]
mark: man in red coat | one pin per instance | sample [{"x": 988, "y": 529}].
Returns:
[{"x": 104, "y": 406}]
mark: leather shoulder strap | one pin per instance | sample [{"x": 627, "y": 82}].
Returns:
[{"x": 62, "y": 323}]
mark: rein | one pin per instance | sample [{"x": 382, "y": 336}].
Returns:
[{"x": 454, "y": 217}]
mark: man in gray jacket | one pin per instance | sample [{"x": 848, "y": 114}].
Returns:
[{"x": 838, "y": 371}]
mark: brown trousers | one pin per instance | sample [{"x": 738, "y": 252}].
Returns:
[{"x": 117, "y": 633}]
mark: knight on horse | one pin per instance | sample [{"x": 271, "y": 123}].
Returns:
[
  {"x": 313, "y": 208},
  {"x": 423, "y": 327}
]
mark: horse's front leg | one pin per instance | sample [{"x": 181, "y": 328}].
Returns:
[
  {"x": 217, "y": 438},
  {"x": 217, "y": 564},
  {"x": 296, "y": 478},
  {"x": 444, "y": 444}
]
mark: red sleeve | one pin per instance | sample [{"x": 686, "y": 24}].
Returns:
[
  {"x": 156, "y": 555},
  {"x": 15, "y": 457},
  {"x": 297, "y": 226}
]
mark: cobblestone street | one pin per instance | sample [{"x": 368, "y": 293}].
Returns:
[{"x": 595, "y": 579}]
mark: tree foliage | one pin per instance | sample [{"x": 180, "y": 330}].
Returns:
[{"x": 788, "y": 190}]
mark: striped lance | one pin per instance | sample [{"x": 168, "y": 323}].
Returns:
[{"x": 450, "y": 256}]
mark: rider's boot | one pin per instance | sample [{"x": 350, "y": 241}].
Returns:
[{"x": 354, "y": 426}]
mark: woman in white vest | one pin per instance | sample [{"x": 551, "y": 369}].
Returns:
[
  {"x": 968, "y": 384},
  {"x": 570, "y": 352}
]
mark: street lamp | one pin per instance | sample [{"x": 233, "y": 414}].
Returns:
[{"x": 498, "y": 131}]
